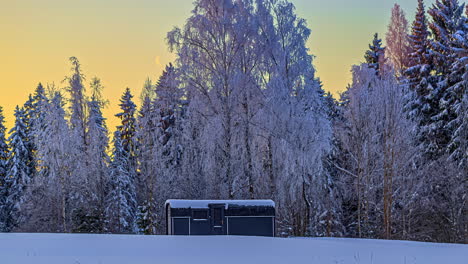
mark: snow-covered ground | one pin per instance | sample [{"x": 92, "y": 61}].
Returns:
[{"x": 113, "y": 249}]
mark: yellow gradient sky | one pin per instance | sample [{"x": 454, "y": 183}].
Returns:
[{"x": 123, "y": 41}]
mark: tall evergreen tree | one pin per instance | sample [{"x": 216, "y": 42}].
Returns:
[
  {"x": 375, "y": 56},
  {"x": 421, "y": 105},
  {"x": 418, "y": 42},
  {"x": 29, "y": 118},
  {"x": 90, "y": 218},
  {"x": 121, "y": 201},
  {"x": 169, "y": 106},
  {"x": 19, "y": 174},
  {"x": 149, "y": 171},
  {"x": 459, "y": 89},
  {"x": 128, "y": 125},
  {"x": 50, "y": 195},
  {"x": 4, "y": 152},
  {"x": 76, "y": 89},
  {"x": 147, "y": 91},
  {"x": 124, "y": 165},
  {"x": 419, "y": 66},
  {"x": 447, "y": 17}
]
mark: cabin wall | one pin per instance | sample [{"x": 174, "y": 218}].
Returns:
[
  {"x": 217, "y": 220},
  {"x": 251, "y": 226}
]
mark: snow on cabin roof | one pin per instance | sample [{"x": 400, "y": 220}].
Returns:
[{"x": 227, "y": 203}]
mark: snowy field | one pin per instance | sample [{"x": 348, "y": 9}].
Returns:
[{"x": 113, "y": 249}]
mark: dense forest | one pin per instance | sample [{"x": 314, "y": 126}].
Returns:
[{"x": 240, "y": 114}]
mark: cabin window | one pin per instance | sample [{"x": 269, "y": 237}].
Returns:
[{"x": 200, "y": 214}]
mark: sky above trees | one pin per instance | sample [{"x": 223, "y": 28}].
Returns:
[{"x": 123, "y": 42}]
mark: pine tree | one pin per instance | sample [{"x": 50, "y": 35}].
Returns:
[
  {"x": 4, "y": 152},
  {"x": 375, "y": 56},
  {"x": 121, "y": 200},
  {"x": 19, "y": 175}
]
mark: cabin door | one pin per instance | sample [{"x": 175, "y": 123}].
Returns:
[{"x": 217, "y": 219}]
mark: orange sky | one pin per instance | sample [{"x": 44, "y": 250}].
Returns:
[{"x": 123, "y": 41}]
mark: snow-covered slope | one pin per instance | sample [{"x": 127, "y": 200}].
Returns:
[{"x": 113, "y": 249}]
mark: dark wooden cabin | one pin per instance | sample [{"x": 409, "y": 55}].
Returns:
[{"x": 220, "y": 217}]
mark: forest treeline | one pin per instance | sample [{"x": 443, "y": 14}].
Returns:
[{"x": 240, "y": 114}]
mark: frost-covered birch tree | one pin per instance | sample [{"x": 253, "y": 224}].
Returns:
[
  {"x": 249, "y": 77},
  {"x": 397, "y": 49}
]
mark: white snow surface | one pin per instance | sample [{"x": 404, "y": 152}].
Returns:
[
  {"x": 204, "y": 203},
  {"x": 114, "y": 249}
]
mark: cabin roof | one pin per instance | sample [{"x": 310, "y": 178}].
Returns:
[{"x": 201, "y": 204}]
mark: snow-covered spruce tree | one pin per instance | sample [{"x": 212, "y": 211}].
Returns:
[
  {"x": 194, "y": 152},
  {"x": 375, "y": 56},
  {"x": 332, "y": 218},
  {"x": 78, "y": 113},
  {"x": 447, "y": 19},
  {"x": 50, "y": 194},
  {"x": 168, "y": 107},
  {"x": 4, "y": 152},
  {"x": 19, "y": 175},
  {"x": 458, "y": 81},
  {"x": 440, "y": 192},
  {"x": 419, "y": 101},
  {"x": 28, "y": 120},
  {"x": 159, "y": 153},
  {"x": 148, "y": 171},
  {"x": 121, "y": 199},
  {"x": 76, "y": 89},
  {"x": 124, "y": 168},
  {"x": 148, "y": 91},
  {"x": 458, "y": 145},
  {"x": 147, "y": 218},
  {"x": 33, "y": 119},
  {"x": 397, "y": 49},
  {"x": 127, "y": 130},
  {"x": 459, "y": 89},
  {"x": 90, "y": 218},
  {"x": 418, "y": 45}
]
